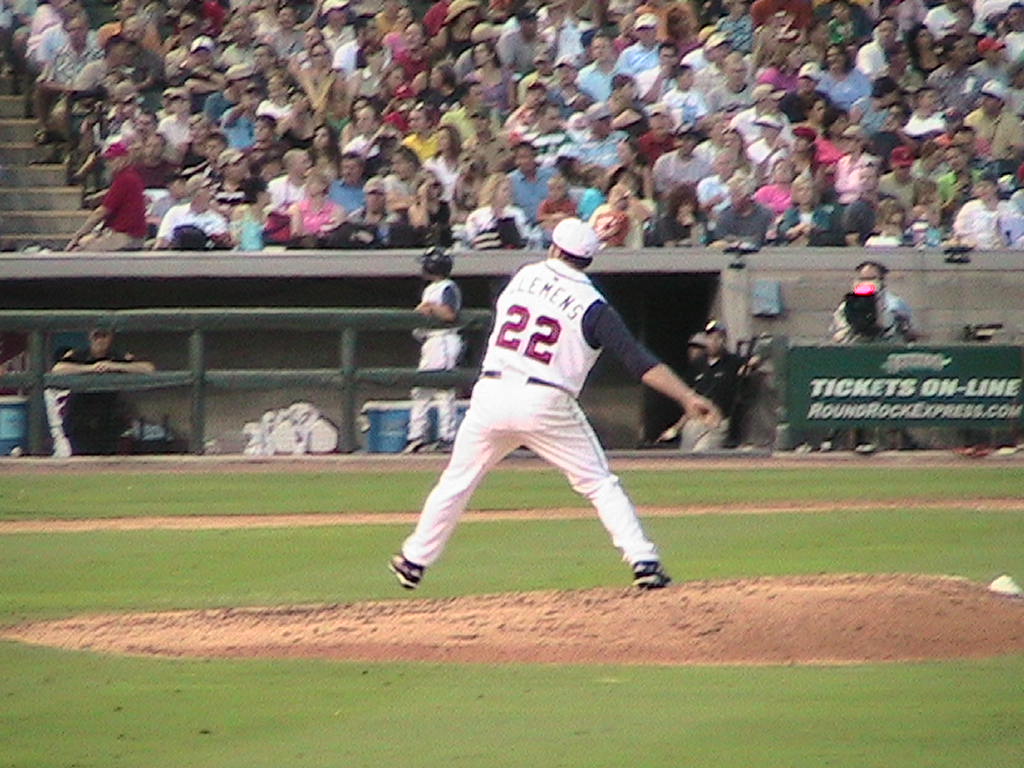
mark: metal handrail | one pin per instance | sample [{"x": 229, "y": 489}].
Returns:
[{"x": 346, "y": 377}]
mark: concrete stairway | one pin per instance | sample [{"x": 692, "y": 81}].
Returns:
[{"x": 36, "y": 208}]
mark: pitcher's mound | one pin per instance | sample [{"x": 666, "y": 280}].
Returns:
[{"x": 814, "y": 620}]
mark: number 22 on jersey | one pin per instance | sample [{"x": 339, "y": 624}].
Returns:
[{"x": 540, "y": 335}]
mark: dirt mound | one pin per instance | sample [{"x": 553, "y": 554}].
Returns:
[{"x": 816, "y": 619}]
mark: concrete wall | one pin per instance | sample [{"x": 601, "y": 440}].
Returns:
[{"x": 944, "y": 297}]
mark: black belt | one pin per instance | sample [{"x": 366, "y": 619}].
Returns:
[{"x": 530, "y": 380}]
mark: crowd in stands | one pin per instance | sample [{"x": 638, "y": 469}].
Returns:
[{"x": 393, "y": 123}]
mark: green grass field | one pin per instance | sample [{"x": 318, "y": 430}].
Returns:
[{"x": 82, "y": 709}]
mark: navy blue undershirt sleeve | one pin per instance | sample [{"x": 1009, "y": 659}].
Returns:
[
  {"x": 451, "y": 297},
  {"x": 603, "y": 328}
]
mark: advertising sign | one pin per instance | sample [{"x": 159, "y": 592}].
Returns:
[{"x": 876, "y": 385}]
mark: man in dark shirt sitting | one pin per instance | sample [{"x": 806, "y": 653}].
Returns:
[
  {"x": 93, "y": 421},
  {"x": 745, "y": 222}
]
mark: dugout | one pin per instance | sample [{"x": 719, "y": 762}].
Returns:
[{"x": 624, "y": 413}]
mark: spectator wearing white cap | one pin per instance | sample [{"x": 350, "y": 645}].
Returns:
[
  {"x": 796, "y": 105},
  {"x": 174, "y": 125},
  {"x": 659, "y": 139},
  {"x": 602, "y": 145},
  {"x": 1000, "y": 134},
  {"x": 770, "y": 147},
  {"x": 643, "y": 54},
  {"x": 595, "y": 79},
  {"x": 766, "y": 104},
  {"x": 194, "y": 217},
  {"x": 708, "y": 62},
  {"x": 942, "y": 18},
  {"x": 564, "y": 89},
  {"x": 337, "y": 27},
  {"x": 198, "y": 73},
  {"x": 237, "y": 78}
]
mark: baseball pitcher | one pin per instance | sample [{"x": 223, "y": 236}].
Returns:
[{"x": 551, "y": 324}]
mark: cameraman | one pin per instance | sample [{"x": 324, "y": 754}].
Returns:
[
  {"x": 855, "y": 322},
  {"x": 869, "y": 313}
]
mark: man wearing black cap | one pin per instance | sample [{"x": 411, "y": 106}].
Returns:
[
  {"x": 93, "y": 421},
  {"x": 715, "y": 374}
]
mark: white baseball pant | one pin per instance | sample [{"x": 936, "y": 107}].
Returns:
[
  {"x": 507, "y": 413},
  {"x": 438, "y": 352}
]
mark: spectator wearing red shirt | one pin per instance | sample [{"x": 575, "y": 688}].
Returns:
[
  {"x": 122, "y": 212},
  {"x": 414, "y": 58},
  {"x": 659, "y": 139}
]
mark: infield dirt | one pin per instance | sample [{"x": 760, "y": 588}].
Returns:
[{"x": 794, "y": 620}]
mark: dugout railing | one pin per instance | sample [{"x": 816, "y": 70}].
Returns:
[{"x": 350, "y": 325}]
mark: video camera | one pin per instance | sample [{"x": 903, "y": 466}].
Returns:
[{"x": 861, "y": 310}]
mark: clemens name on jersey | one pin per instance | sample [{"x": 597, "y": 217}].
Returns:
[{"x": 550, "y": 288}]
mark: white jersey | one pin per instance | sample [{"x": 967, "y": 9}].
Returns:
[
  {"x": 434, "y": 292},
  {"x": 538, "y": 327}
]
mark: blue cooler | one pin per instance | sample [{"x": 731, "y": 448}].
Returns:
[
  {"x": 13, "y": 424},
  {"x": 386, "y": 423}
]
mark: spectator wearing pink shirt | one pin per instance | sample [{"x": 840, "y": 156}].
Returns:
[
  {"x": 777, "y": 195},
  {"x": 851, "y": 165},
  {"x": 315, "y": 215}
]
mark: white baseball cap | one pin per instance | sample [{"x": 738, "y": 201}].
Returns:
[
  {"x": 995, "y": 89},
  {"x": 576, "y": 238},
  {"x": 810, "y": 70},
  {"x": 646, "y": 21},
  {"x": 767, "y": 121},
  {"x": 715, "y": 39},
  {"x": 202, "y": 43}
]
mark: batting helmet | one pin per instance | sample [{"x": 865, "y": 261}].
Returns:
[{"x": 437, "y": 261}]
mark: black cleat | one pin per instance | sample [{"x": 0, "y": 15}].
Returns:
[
  {"x": 408, "y": 574},
  {"x": 650, "y": 575}
]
